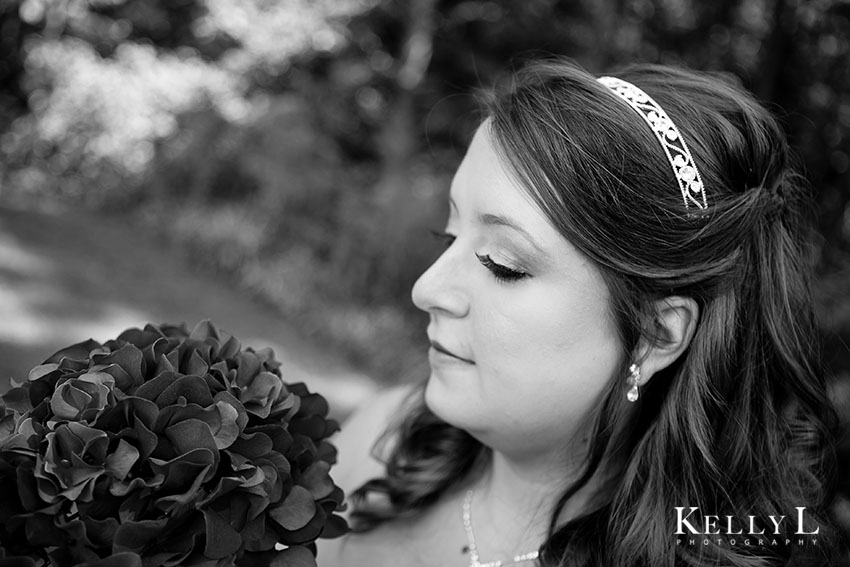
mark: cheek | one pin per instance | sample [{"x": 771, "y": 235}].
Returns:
[{"x": 552, "y": 348}]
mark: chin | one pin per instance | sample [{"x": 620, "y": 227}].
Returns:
[
  {"x": 465, "y": 409},
  {"x": 455, "y": 406},
  {"x": 445, "y": 402}
]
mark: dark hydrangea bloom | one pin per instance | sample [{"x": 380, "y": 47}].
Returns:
[{"x": 164, "y": 447}]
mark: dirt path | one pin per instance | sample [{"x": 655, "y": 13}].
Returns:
[{"x": 66, "y": 278}]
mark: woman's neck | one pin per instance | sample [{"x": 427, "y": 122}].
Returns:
[{"x": 515, "y": 497}]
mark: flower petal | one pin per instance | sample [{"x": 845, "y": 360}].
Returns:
[
  {"x": 135, "y": 536},
  {"x": 222, "y": 539},
  {"x": 79, "y": 351},
  {"x": 297, "y": 509},
  {"x": 122, "y": 460},
  {"x": 191, "y": 434},
  {"x": 124, "y": 559},
  {"x": 252, "y": 445},
  {"x": 129, "y": 359},
  {"x": 294, "y": 556},
  {"x": 317, "y": 480},
  {"x": 181, "y": 471},
  {"x": 41, "y": 371},
  {"x": 192, "y": 388}
]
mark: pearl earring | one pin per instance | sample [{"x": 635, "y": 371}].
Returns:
[{"x": 634, "y": 377}]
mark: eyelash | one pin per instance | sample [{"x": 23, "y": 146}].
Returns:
[{"x": 500, "y": 272}]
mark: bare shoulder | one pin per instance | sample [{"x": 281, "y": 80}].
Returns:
[
  {"x": 355, "y": 443},
  {"x": 357, "y": 462},
  {"x": 427, "y": 539}
]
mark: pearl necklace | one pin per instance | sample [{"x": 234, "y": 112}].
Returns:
[{"x": 473, "y": 548}]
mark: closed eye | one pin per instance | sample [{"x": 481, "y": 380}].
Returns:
[
  {"x": 444, "y": 237},
  {"x": 500, "y": 272}
]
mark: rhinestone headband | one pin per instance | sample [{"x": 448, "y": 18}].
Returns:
[{"x": 681, "y": 160}]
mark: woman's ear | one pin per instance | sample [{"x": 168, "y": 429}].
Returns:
[{"x": 675, "y": 322}]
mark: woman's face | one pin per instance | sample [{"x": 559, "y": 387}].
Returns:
[{"x": 522, "y": 342}]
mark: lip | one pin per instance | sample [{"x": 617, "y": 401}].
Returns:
[{"x": 443, "y": 350}]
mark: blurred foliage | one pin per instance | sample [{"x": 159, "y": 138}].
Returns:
[{"x": 304, "y": 148}]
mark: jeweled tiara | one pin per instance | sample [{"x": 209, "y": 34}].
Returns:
[{"x": 681, "y": 160}]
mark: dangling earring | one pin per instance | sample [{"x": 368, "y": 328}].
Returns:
[{"x": 634, "y": 376}]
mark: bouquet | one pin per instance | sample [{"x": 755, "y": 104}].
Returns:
[{"x": 164, "y": 447}]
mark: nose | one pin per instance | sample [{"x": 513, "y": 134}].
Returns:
[{"x": 440, "y": 288}]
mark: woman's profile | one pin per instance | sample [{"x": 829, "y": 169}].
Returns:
[{"x": 624, "y": 364}]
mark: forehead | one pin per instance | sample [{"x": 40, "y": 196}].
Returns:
[{"x": 487, "y": 184}]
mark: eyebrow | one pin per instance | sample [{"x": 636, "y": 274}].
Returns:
[{"x": 489, "y": 219}]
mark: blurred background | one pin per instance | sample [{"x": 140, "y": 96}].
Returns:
[{"x": 277, "y": 165}]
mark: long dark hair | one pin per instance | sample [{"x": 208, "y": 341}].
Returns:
[{"x": 740, "y": 424}]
